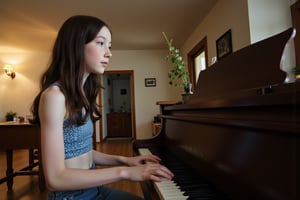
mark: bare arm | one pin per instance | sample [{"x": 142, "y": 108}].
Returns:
[
  {"x": 58, "y": 177},
  {"x": 108, "y": 159}
]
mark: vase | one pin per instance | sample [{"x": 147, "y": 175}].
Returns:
[
  {"x": 187, "y": 92},
  {"x": 188, "y": 88}
]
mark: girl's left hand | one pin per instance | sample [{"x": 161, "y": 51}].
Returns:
[{"x": 139, "y": 160}]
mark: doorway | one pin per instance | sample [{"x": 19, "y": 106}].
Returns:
[
  {"x": 117, "y": 103},
  {"x": 197, "y": 61}
]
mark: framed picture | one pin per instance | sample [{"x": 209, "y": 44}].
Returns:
[
  {"x": 224, "y": 45},
  {"x": 150, "y": 82},
  {"x": 123, "y": 91}
]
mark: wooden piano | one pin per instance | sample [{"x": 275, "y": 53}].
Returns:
[{"x": 237, "y": 137}]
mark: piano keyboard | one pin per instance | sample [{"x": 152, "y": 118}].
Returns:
[
  {"x": 166, "y": 189},
  {"x": 186, "y": 184}
]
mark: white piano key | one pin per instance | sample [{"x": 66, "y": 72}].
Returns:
[
  {"x": 169, "y": 193},
  {"x": 145, "y": 151},
  {"x": 166, "y": 189}
]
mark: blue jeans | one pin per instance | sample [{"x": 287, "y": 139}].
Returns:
[{"x": 95, "y": 193}]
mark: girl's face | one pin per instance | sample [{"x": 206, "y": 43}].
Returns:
[{"x": 97, "y": 52}]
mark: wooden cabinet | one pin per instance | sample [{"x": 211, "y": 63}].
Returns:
[{"x": 119, "y": 125}]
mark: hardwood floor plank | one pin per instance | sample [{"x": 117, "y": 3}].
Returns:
[{"x": 26, "y": 187}]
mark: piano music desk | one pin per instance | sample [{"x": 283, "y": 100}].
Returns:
[{"x": 15, "y": 136}]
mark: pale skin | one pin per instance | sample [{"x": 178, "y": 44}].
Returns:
[{"x": 74, "y": 173}]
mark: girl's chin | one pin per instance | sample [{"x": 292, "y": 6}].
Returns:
[{"x": 100, "y": 71}]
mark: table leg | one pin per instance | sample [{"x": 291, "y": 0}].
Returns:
[
  {"x": 42, "y": 185},
  {"x": 31, "y": 157},
  {"x": 9, "y": 170}
]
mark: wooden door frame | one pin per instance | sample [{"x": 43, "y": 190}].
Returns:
[
  {"x": 132, "y": 99},
  {"x": 199, "y": 48}
]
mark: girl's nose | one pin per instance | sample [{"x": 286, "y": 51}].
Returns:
[{"x": 108, "y": 53}]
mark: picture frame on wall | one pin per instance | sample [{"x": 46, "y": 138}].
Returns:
[
  {"x": 224, "y": 45},
  {"x": 150, "y": 82},
  {"x": 123, "y": 91}
]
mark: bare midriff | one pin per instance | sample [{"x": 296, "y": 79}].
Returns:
[{"x": 83, "y": 161}]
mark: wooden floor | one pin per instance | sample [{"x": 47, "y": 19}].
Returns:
[{"x": 26, "y": 187}]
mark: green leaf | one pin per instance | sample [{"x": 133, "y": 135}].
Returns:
[{"x": 178, "y": 76}]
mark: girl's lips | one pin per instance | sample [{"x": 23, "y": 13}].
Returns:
[{"x": 104, "y": 63}]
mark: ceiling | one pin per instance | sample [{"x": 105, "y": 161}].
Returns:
[{"x": 136, "y": 24}]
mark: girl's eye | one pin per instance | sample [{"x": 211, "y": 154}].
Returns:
[{"x": 100, "y": 43}]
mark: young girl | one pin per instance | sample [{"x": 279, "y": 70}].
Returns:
[{"x": 66, "y": 108}]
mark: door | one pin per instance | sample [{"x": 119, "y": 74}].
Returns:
[
  {"x": 117, "y": 102},
  {"x": 197, "y": 60}
]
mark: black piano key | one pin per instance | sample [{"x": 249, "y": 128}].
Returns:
[{"x": 191, "y": 183}]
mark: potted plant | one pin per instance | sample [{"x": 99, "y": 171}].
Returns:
[
  {"x": 10, "y": 116},
  {"x": 179, "y": 75}
]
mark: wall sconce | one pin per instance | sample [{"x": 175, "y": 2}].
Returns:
[{"x": 9, "y": 71}]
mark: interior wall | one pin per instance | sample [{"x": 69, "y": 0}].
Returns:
[
  {"x": 267, "y": 19},
  {"x": 225, "y": 15},
  {"x": 18, "y": 94}
]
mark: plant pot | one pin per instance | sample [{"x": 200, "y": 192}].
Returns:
[
  {"x": 9, "y": 118},
  {"x": 185, "y": 97},
  {"x": 187, "y": 92},
  {"x": 188, "y": 88}
]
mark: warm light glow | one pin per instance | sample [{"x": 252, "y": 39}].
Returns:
[{"x": 8, "y": 69}]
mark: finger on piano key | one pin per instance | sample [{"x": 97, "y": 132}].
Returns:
[{"x": 144, "y": 151}]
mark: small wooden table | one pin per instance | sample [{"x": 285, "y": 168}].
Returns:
[{"x": 21, "y": 136}]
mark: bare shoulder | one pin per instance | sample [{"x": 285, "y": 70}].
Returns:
[
  {"x": 53, "y": 93},
  {"x": 52, "y": 103}
]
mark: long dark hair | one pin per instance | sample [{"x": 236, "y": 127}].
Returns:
[{"x": 67, "y": 68}]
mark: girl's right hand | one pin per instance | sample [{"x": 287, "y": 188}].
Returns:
[{"x": 149, "y": 171}]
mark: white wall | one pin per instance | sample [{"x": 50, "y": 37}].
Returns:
[
  {"x": 18, "y": 94},
  {"x": 226, "y": 14},
  {"x": 270, "y": 17}
]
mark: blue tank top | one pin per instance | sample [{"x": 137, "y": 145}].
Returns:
[{"x": 77, "y": 139}]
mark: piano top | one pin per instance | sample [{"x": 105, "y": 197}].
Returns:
[{"x": 255, "y": 66}]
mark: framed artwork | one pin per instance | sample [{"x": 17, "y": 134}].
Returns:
[
  {"x": 224, "y": 45},
  {"x": 123, "y": 91},
  {"x": 150, "y": 82}
]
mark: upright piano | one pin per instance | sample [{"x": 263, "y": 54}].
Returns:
[{"x": 237, "y": 137}]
